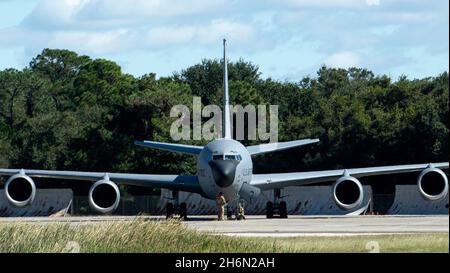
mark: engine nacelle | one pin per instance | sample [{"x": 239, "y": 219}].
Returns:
[
  {"x": 433, "y": 184},
  {"x": 348, "y": 192},
  {"x": 20, "y": 190},
  {"x": 104, "y": 196}
]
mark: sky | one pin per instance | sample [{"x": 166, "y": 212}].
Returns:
[{"x": 287, "y": 39}]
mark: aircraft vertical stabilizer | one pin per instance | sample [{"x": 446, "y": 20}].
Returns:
[{"x": 226, "y": 101}]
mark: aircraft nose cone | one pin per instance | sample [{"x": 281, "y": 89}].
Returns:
[{"x": 223, "y": 171}]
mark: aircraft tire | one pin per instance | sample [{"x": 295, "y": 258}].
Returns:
[
  {"x": 169, "y": 210},
  {"x": 283, "y": 210},
  {"x": 183, "y": 211},
  {"x": 269, "y": 210}
]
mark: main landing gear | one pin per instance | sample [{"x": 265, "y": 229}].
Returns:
[
  {"x": 174, "y": 207},
  {"x": 279, "y": 207}
]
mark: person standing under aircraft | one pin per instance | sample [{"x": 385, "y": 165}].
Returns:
[{"x": 221, "y": 202}]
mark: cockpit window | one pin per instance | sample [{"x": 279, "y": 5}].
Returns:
[
  {"x": 227, "y": 157},
  {"x": 233, "y": 157}
]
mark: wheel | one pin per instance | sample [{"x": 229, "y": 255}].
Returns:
[
  {"x": 269, "y": 210},
  {"x": 169, "y": 210},
  {"x": 283, "y": 210},
  {"x": 183, "y": 211}
]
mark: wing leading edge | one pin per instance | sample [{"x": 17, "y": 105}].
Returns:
[
  {"x": 278, "y": 146},
  {"x": 171, "y": 147},
  {"x": 281, "y": 180}
]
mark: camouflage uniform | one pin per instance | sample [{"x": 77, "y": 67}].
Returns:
[
  {"x": 221, "y": 201},
  {"x": 241, "y": 215}
]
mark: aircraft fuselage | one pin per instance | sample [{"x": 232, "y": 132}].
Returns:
[{"x": 224, "y": 165}]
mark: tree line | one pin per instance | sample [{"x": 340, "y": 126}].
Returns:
[{"x": 70, "y": 112}]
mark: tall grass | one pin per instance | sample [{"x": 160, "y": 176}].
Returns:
[
  {"x": 137, "y": 236},
  {"x": 172, "y": 236}
]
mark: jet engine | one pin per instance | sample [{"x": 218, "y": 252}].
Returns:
[
  {"x": 20, "y": 190},
  {"x": 433, "y": 184},
  {"x": 104, "y": 196},
  {"x": 348, "y": 192}
]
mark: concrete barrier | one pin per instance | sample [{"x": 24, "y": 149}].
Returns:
[
  {"x": 311, "y": 200},
  {"x": 408, "y": 200},
  {"x": 47, "y": 202}
]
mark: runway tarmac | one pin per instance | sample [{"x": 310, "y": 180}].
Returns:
[
  {"x": 259, "y": 226},
  {"x": 326, "y": 226}
]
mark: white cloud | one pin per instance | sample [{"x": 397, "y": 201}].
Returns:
[
  {"x": 112, "y": 26},
  {"x": 337, "y": 32},
  {"x": 92, "y": 42},
  {"x": 373, "y": 2},
  {"x": 89, "y": 13},
  {"x": 326, "y": 3},
  {"x": 117, "y": 40},
  {"x": 203, "y": 34},
  {"x": 150, "y": 8},
  {"x": 238, "y": 32},
  {"x": 385, "y": 30},
  {"x": 408, "y": 17},
  {"x": 344, "y": 59},
  {"x": 210, "y": 33},
  {"x": 55, "y": 12}
]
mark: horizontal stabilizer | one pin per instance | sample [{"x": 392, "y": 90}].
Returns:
[
  {"x": 278, "y": 146},
  {"x": 171, "y": 147}
]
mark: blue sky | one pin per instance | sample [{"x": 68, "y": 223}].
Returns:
[{"x": 287, "y": 39}]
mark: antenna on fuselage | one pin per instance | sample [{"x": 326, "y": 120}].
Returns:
[{"x": 226, "y": 102}]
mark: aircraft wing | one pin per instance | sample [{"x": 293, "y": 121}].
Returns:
[
  {"x": 278, "y": 146},
  {"x": 281, "y": 180},
  {"x": 171, "y": 147},
  {"x": 173, "y": 182}
]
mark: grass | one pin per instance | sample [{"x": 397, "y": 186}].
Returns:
[
  {"x": 172, "y": 236},
  {"x": 376, "y": 243}
]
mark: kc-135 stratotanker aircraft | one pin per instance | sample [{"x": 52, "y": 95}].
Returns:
[{"x": 225, "y": 165}]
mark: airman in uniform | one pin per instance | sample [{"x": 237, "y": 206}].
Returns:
[
  {"x": 241, "y": 215},
  {"x": 221, "y": 202}
]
